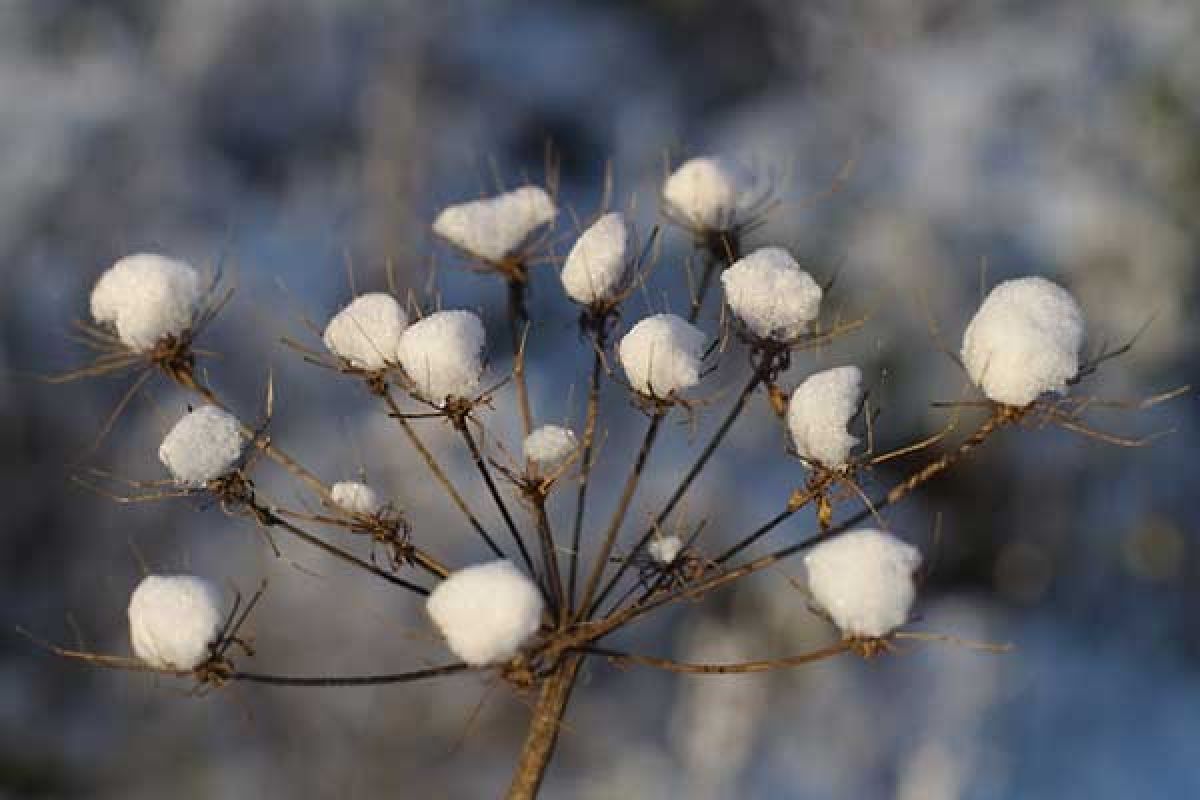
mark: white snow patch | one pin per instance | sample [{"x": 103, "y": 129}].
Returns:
[
  {"x": 173, "y": 619},
  {"x": 146, "y": 297},
  {"x": 819, "y": 411},
  {"x": 495, "y": 228},
  {"x": 486, "y": 612},
  {"x": 597, "y": 267},
  {"x": 367, "y": 332},
  {"x": 355, "y": 497},
  {"x": 442, "y": 355},
  {"x": 772, "y": 296},
  {"x": 661, "y": 354},
  {"x": 707, "y": 193},
  {"x": 864, "y": 581},
  {"x": 205, "y": 444},
  {"x": 549, "y": 446},
  {"x": 664, "y": 549}
]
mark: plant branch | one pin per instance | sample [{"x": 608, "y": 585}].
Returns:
[
  {"x": 585, "y": 467},
  {"x": 745, "y": 667}
]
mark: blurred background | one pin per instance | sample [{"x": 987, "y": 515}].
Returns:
[{"x": 291, "y": 138}]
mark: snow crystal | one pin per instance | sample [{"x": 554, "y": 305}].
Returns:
[
  {"x": 549, "y": 446},
  {"x": 664, "y": 549},
  {"x": 495, "y": 228},
  {"x": 772, "y": 296},
  {"x": 145, "y": 297},
  {"x": 173, "y": 619},
  {"x": 597, "y": 266},
  {"x": 486, "y": 612},
  {"x": 204, "y": 445},
  {"x": 864, "y": 581},
  {"x": 367, "y": 332},
  {"x": 355, "y": 497},
  {"x": 1024, "y": 341},
  {"x": 707, "y": 193},
  {"x": 819, "y": 411},
  {"x": 442, "y": 355},
  {"x": 661, "y": 354}
]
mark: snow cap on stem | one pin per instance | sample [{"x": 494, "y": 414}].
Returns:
[
  {"x": 864, "y": 581},
  {"x": 707, "y": 193},
  {"x": 146, "y": 297},
  {"x": 819, "y": 411},
  {"x": 664, "y": 549},
  {"x": 1024, "y": 341},
  {"x": 355, "y": 497},
  {"x": 771, "y": 295},
  {"x": 494, "y": 228},
  {"x": 205, "y": 444},
  {"x": 549, "y": 446},
  {"x": 661, "y": 355},
  {"x": 173, "y": 619},
  {"x": 366, "y": 333},
  {"x": 596, "y": 269},
  {"x": 442, "y": 355},
  {"x": 486, "y": 612}
]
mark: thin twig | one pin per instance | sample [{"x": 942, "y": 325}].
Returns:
[
  {"x": 480, "y": 464},
  {"x": 739, "y": 668},
  {"x": 585, "y": 467}
]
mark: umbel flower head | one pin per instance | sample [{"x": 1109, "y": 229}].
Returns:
[
  {"x": 204, "y": 445},
  {"x": 356, "y": 497},
  {"x": 145, "y": 298},
  {"x": 495, "y": 228},
  {"x": 366, "y": 333},
  {"x": 661, "y": 355},
  {"x": 818, "y": 413},
  {"x": 173, "y": 620},
  {"x": 771, "y": 295},
  {"x": 549, "y": 446},
  {"x": 486, "y": 612},
  {"x": 708, "y": 195},
  {"x": 864, "y": 581},
  {"x": 1024, "y": 341},
  {"x": 442, "y": 355},
  {"x": 597, "y": 268}
]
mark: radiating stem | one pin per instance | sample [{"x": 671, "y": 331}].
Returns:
[
  {"x": 744, "y": 667},
  {"x": 480, "y": 464},
  {"x": 550, "y": 558},
  {"x": 518, "y": 316},
  {"x": 585, "y": 467}
]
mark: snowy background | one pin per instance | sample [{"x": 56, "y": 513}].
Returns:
[{"x": 293, "y": 137}]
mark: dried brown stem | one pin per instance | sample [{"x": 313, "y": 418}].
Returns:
[
  {"x": 585, "y": 467},
  {"x": 544, "y": 728},
  {"x": 740, "y": 668}
]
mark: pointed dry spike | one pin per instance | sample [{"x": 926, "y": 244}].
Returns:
[
  {"x": 1094, "y": 363},
  {"x": 1109, "y": 438},
  {"x": 101, "y": 660},
  {"x": 984, "y": 647},
  {"x": 269, "y": 401},
  {"x": 101, "y": 366},
  {"x": 919, "y": 445},
  {"x": 116, "y": 412}
]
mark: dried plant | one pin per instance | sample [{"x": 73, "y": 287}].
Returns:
[{"x": 532, "y": 621}]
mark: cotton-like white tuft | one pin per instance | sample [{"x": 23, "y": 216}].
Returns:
[
  {"x": 173, "y": 619},
  {"x": 662, "y": 354},
  {"x": 549, "y": 446},
  {"x": 1024, "y": 341},
  {"x": 864, "y": 581},
  {"x": 596, "y": 269},
  {"x": 486, "y": 612},
  {"x": 707, "y": 193},
  {"x": 495, "y": 228},
  {"x": 205, "y": 444},
  {"x": 772, "y": 296},
  {"x": 146, "y": 297},
  {"x": 355, "y": 497},
  {"x": 664, "y": 549},
  {"x": 443, "y": 355},
  {"x": 367, "y": 332},
  {"x": 820, "y": 410}
]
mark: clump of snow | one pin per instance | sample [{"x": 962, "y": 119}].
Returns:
[
  {"x": 442, "y": 355},
  {"x": 495, "y": 228},
  {"x": 173, "y": 619},
  {"x": 864, "y": 581},
  {"x": 146, "y": 297},
  {"x": 486, "y": 612},
  {"x": 662, "y": 354},
  {"x": 664, "y": 549},
  {"x": 1024, "y": 341},
  {"x": 355, "y": 497},
  {"x": 707, "y": 193},
  {"x": 205, "y": 444},
  {"x": 819, "y": 411},
  {"x": 367, "y": 332},
  {"x": 549, "y": 446},
  {"x": 772, "y": 296},
  {"x": 596, "y": 269}
]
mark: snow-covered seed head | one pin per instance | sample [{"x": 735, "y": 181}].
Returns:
[
  {"x": 367, "y": 332},
  {"x": 173, "y": 619},
  {"x": 442, "y": 355},
  {"x": 495, "y": 228},
  {"x": 204, "y": 445},
  {"x": 355, "y": 497},
  {"x": 597, "y": 268},
  {"x": 486, "y": 612},
  {"x": 864, "y": 581},
  {"x": 820, "y": 410},
  {"x": 549, "y": 446},
  {"x": 664, "y": 549},
  {"x": 707, "y": 194},
  {"x": 1024, "y": 341},
  {"x": 771, "y": 295},
  {"x": 661, "y": 355},
  {"x": 146, "y": 297}
]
